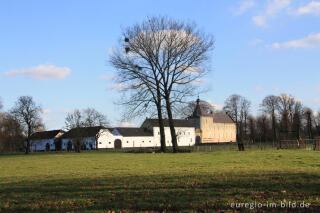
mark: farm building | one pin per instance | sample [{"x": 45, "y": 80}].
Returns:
[
  {"x": 212, "y": 127},
  {"x": 201, "y": 127},
  {"x": 45, "y": 141},
  {"x": 148, "y": 135},
  {"x": 87, "y": 135}
]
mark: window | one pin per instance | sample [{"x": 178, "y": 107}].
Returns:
[
  {"x": 158, "y": 133},
  {"x": 100, "y": 143},
  {"x": 109, "y": 142},
  {"x": 127, "y": 141},
  {"x": 149, "y": 141},
  {"x": 142, "y": 141},
  {"x": 190, "y": 139},
  {"x": 188, "y": 133}
]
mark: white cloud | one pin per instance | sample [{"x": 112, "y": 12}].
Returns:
[
  {"x": 42, "y": 72},
  {"x": 316, "y": 100},
  {"x": 244, "y": 7},
  {"x": 46, "y": 111},
  {"x": 46, "y": 119},
  {"x": 127, "y": 124},
  {"x": 67, "y": 110},
  {"x": 111, "y": 51},
  {"x": 273, "y": 7},
  {"x": 260, "y": 21},
  {"x": 108, "y": 77},
  {"x": 117, "y": 86},
  {"x": 255, "y": 42},
  {"x": 257, "y": 88},
  {"x": 311, "y": 41},
  {"x": 216, "y": 106},
  {"x": 311, "y": 8},
  {"x": 198, "y": 81}
]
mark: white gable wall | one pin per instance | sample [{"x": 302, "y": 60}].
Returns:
[{"x": 185, "y": 136}]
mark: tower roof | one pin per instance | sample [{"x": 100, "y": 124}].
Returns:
[{"x": 198, "y": 111}]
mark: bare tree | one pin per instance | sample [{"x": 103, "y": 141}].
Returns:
[
  {"x": 85, "y": 118},
  {"x": 252, "y": 128},
  {"x": 27, "y": 113},
  {"x": 269, "y": 105},
  {"x": 286, "y": 107},
  {"x": 297, "y": 120},
  {"x": 74, "y": 120},
  {"x": 262, "y": 127},
  {"x": 94, "y": 118},
  {"x": 244, "y": 112},
  {"x": 164, "y": 58},
  {"x": 309, "y": 117},
  {"x": 317, "y": 122},
  {"x": 238, "y": 108},
  {"x": 232, "y": 107},
  {"x": 11, "y": 137}
]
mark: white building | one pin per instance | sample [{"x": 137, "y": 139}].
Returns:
[
  {"x": 87, "y": 135},
  {"x": 148, "y": 135},
  {"x": 45, "y": 141}
]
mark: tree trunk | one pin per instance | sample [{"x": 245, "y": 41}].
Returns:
[
  {"x": 171, "y": 125},
  {"x": 160, "y": 120},
  {"x": 162, "y": 134},
  {"x": 274, "y": 128},
  {"x": 28, "y": 146}
]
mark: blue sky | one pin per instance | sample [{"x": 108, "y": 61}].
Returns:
[{"x": 57, "y": 51}]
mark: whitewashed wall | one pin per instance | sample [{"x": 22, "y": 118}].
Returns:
[
  {"x": 40, "y": 145},
  {"x": 107, "y": 139},
  {"x": 186, "y": 137},
  {"x": 87, "y": 141}
]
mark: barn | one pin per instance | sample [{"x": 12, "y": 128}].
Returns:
[{"x": 45, "y": 140}]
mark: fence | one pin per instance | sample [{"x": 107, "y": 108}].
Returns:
[{"x": 306, "y": 144}]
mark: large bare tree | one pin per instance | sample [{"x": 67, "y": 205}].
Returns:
[
  {"x": 238, "y": 108},
  {"x": 269, "y": 105},
  {"x": 27, "y": 113},
  {"x": 166, "y": 59}
]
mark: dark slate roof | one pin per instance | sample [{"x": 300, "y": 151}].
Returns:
[
  {"x": 222, "y": 118},
  {"x": 133, "y": 132},
  {"x": 176, "y": 122},
  {"x": 83, "y": 132},
  {"x": 199, "y": 110},
  {"x": 45, "y": 134}
]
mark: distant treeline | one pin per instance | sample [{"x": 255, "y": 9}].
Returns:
[{"x": 281, "y": 117}]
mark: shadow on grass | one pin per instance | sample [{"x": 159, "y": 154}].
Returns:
[{"x": 161, "y": 193}]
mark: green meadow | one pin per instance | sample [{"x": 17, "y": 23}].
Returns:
[{"x": 190, "y": 182}]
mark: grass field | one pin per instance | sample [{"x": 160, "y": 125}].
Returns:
[{"x": 207, "y": 181}]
